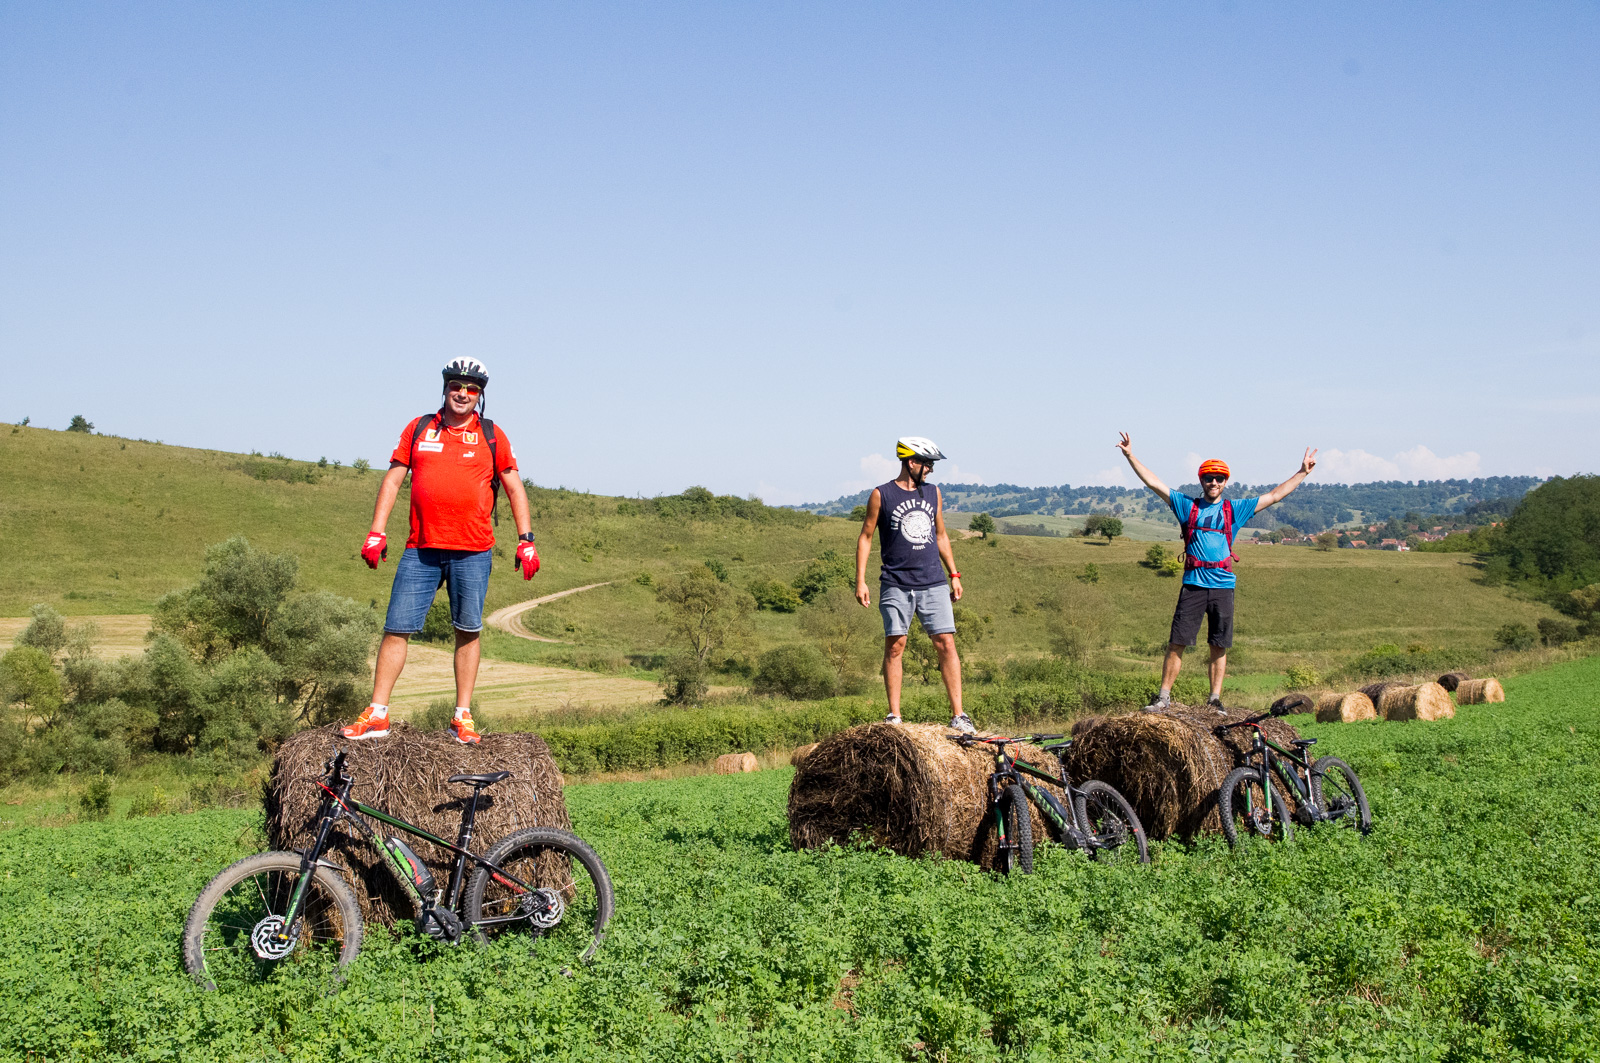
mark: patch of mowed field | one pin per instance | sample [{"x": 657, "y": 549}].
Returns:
[{"x": 1463, "y": 928}]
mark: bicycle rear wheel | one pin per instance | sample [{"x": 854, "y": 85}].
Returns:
[
  {"x": 1117, "y": 836},
  {"x": 1019, "y": 827},
  {"x": 1337, "y": 791},
  {"x": 1242, "y": 803},
  {"x": 571, "y": 900},
  {"x": 231, "y": 939}
]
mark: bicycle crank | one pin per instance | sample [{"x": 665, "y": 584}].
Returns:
[
  {"x": 268, "y": 941},
  {"x": 440, "y": 924}
]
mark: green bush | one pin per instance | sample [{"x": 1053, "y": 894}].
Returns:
[
  {"x": 1554, "y": 632},
  {"x": 1515, "y": 636},
  {"x": 830, "y": 570},
  {"x": 799, "y": 672},
  {"x": 774, "y": 595},
  {"x": 436, "y": 626},
  {"x": 95, "y": 801},
  {"x": 1302, "y": 677},
  {"x": 1390, "y": 660}
]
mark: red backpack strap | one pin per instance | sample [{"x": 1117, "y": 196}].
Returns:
[{"x": 1227, "y": 530}]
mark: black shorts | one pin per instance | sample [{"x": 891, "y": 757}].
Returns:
[{"x": 1215, "y": 604}]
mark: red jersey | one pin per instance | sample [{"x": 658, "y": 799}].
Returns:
[{"x": 451, "y": 483}]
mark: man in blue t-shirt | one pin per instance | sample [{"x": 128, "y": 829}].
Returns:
[{"x": 1207, "y": 590}]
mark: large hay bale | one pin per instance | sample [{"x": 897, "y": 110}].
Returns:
[
  {"x": 404, "y": 775},
  {"x": 1168, "y": 764},
  {"x": 798, "y": 757},
  {"x": 735, "y": 763},
  {"x": 1425, "y": 701},
  {"x": 1293, "y": 703},
  {"x": 1451, "y": 680},
  {"x": 1480, "y": 691},
  {"x": 1336, "y": 707},
  {"x": 909, "y": 787}
]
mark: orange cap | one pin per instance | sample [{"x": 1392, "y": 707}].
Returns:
[{"x": 1214, "y": 465}]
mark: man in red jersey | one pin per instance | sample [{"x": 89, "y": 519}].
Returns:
[{"x": 458, "y": 460}]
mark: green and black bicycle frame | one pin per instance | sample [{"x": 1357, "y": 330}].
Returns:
[
  {"x": 1008, "y": 769},
  {"x": 437, "y": 913},
  {"x": 1306, "y": 810}
]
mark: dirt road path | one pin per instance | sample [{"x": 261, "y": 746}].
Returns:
[{"x": 507, "y": 619}]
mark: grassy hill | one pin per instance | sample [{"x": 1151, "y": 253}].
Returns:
[{"x": 96, "y": 524}]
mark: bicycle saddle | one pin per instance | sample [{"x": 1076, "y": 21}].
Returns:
[
  {"x": 481, "y": 780},
  {"x": 1301, "y": 743}
]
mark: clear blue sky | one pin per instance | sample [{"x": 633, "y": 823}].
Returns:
[{"x": 747, "y": 245}]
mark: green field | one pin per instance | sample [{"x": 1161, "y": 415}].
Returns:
[
  {"x": 95, "y": 524},
  {"x": 1464, "y": 928}
]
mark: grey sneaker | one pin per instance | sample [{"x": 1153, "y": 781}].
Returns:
[
  {"x": 1215, "y": 702},
  {"x": 964, "y": 724},
  {"x": 892, "y": 718},
  {"x": 1161, "y": 702}
]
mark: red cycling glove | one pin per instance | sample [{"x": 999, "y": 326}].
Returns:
[
  {"x": 375, "y": 549},
  {"x": 527, "y": 559}
]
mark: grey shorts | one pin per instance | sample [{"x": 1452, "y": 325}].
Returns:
[{"x": 931, "y": 605}]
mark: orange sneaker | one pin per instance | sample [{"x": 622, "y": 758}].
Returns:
[
  {"x": 465, "y": 733},
  {"x": 366, "y": 726}
]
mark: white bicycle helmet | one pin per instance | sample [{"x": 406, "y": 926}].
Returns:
[
  {"x": 466, "y": 369},
  {"x": 917, "y": 447}
]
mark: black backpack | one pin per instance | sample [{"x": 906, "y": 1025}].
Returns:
[{"x": 428, "y": 420}]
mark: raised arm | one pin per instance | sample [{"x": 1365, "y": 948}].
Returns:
[
  {"x": 1149, "y": 478},
  {"x": 864, "y": 546},
  {"x": 1282, "y": 491}
]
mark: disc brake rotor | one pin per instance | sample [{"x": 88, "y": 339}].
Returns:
[
  {"x": 544, "y": 907},
  {"x": 268, "y": 941}
]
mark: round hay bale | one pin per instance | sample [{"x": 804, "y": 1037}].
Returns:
[
  {"x": 798, "y": 757},
  {"x": 404, "y": 775},
  {"x": 1334, "y": 707},
  {"x": 1425, "y": 701},
  {"x": 1169, "y": 764},
  {"x": 735, "y": 763},
  {"x": 1451, "y": 680},
  {"x": 1480, "y": 691},
  {"x": 908, "y": 787},
  {"x": 1375, "y": 692},
  {"x": 1294, "y": 703}
]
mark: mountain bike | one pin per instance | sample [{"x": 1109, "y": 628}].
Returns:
[
  {"x": 275, "y": 911},
  {"x": 1325, "y": 791},
  {"x": 1095, "y": 817}
]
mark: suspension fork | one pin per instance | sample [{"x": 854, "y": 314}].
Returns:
[{"x": 332, "y": 809}]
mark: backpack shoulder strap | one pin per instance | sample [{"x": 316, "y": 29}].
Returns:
[
  {"x": 1192, "y": 523},
  {"x": 423, "y": 424},
  {"x": 494, "y": 467}
]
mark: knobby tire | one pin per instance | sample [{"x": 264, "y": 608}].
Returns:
[
  {"x": 1258, "y": 820},
  {"x": 1334, "y": 781},
  {"x": 550, "y": 859},
  {"x": 1117, "y": 833},
  {"x": 1019, "y": 825},
  {"x": 217, "y": 949}
]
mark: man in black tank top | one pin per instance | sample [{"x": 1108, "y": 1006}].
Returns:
[{"x": 908, "y": 513}]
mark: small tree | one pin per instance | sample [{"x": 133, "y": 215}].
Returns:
[
  {"x": 832, "y": 569},
  {"x": 361, "y": 465},
  {"x": 859, "y": 513},
  {"x": 799, "y": 672},
  {"x": 843, "y": 631},
  {"x": 47, "y": 631},
  {"x": 703, "y": 615},
  {"x": 1327, "y": 540},
  {"x": 718, "y": 569},
  {"x": 1111, "y": 527},
  {"x": 1515, "y": 636},
  {"x": 982, "y": 523},
  {"x": 28, "y": 681},
  {"x": 80, "y": 423},
  {"x": 775, "y": 595}
]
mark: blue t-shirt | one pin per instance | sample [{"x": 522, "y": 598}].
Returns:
[{"x": 1209, "y": 542}]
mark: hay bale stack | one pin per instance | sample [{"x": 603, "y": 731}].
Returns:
[
  {"x": 1480, "y": 691},
  {"x": 735, "y": 763},
  {"x": 1451, "y": 680},
  {"x": 1168, "y": 764},
  {"x": 1335, "y": 707},
  {"x": 909, "y": 787},
  {"x": 404, "y": 774},
  {"x": 1398, "y": 701},
  {"x": 798, "y": 757}
]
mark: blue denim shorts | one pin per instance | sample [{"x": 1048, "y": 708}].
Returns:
[
  {"x": 931, "y": 605},
  {"x": 418, "y": 577}
]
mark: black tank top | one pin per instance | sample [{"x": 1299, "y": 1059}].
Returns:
[{"x": 908, "y": 536}]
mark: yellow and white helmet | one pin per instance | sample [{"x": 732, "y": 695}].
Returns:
[{"x": 917, "y": 447}]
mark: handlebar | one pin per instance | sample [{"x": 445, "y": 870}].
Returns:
[{"x": 335, "y": 765}]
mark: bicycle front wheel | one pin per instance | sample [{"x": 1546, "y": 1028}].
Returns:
[
  {"x": 1242, "y": 803},
  {"x": 571, "y": 900},
  {"x": 1115, "y": 833},
  {"x": 235, "y": 933},
  {"x": 1019, "y": 828},
  {"x": 1337, "y": 791}
]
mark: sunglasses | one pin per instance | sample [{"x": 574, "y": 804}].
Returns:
[
  {"x": 1213, "y": 479},
  {"x": 470, "y": 389}
]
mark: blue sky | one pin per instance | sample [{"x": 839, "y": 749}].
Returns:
[{"x": 748, "y": 245}]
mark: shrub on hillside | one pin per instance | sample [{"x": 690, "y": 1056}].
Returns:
[
  {"x": 832, "y": 569},
  {"x": 1554, "y": 632},
  {"x": 846, "y": 635},
  {"x": 774, "y": 595},
  {"x": 798, "y": 672},
  {"x": 1391, "y": 660},
  {"x": 1515, "y": 636},
  {"x": 1302, "y": 677},
  {"x": 436, "y": 626}
]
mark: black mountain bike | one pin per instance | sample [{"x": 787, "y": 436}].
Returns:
[
  {"x": 280, "y": 910},
  {"x": 1095, "y": 818},
  {"x": 1325, "y": 791}
]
